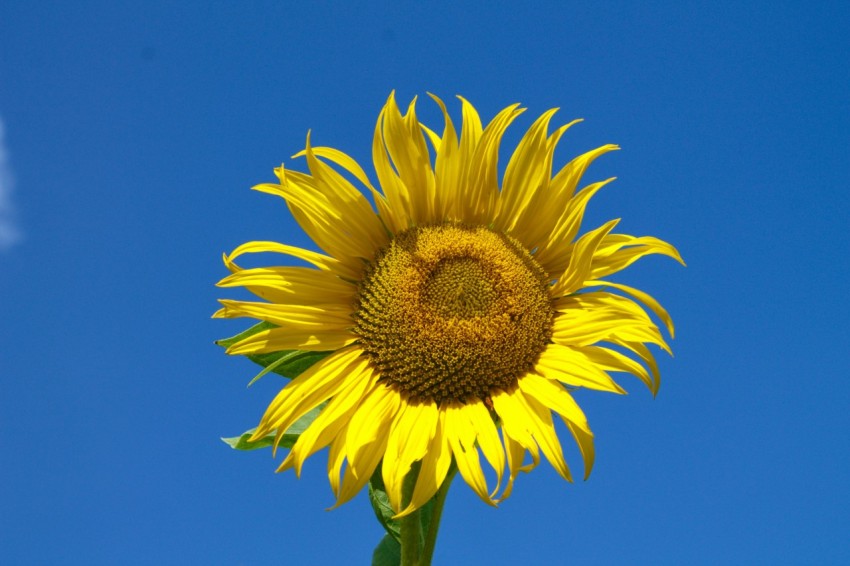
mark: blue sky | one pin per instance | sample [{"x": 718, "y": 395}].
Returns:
[{"x": 131, "y": 133}]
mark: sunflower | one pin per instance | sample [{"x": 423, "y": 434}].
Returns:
[{"x": 457, "y": 307}]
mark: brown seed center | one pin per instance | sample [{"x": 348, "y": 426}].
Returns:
[{"x": 452, "y": 312}]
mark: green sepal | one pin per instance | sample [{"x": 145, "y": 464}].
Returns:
[
  {"x": 387, "y": 553},
  {"x": 381, "y": 505},
  {"x": 288, "y": 363},
  {"x": 384, "y": 512},
  {"x": 287, "y": 441}
]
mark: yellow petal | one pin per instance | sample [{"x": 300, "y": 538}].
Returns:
[
  {"x": 515, "y": 425},
  {"x": 525, "y": 174},
  {"x": 470, "y": 136},
  {"x": 488, "y": 439},
  {"x": 432, "y": 472},
  {"x": 543, "y": 429},
  {"x": 645, "y": 298},
  {"x": 584, "y": 439},
  {"x": 573, "y": 367},
  {"x": 515, "y": 455},
  {"x": 343, "y": 160},
  {"x": 587, "y": 318},
  {"x": 409, "y": 439},
  {"x": 321, "y": 213},
  {"x": 406, "y": 146},
  {"x": 481, "y": 177},
  {"x": 367, "y": 429},
  {"x": 605, "y": 329},
  {"x": 433, "y": 136},
  {"x": 461, "y": 437},
  {"x": 447, "y": 167},
  {"x": 350, "y": 165},
  {"x": 613, "y": 360},
  {"x": 277, "y": 339},
  {"x": 317, "y": 259},
  {"x": 646, "y": 356},
  {"x": 535, "y": 221},
  {"x": 304, "y": 316},
  {"x": 553, "y": 253},
  {"x": 553, "y": 395},
  {"x": 336, "y": 459},
  {"x": 619, "y": 251},
  {"x": 580, "y": 261},
  {"x": 359, "y": 219},
  {"x": 333, "y": 417},
  {"x": 366, "y": 439},
  {"x": 322, "y": 380},
  {"x": 301, "y": 285},
  {"x": 396, "y": 193}
]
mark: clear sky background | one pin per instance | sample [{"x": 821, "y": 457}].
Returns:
[{"x": 132, "y": 131}]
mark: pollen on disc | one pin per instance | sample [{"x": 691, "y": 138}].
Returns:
[{"x": 452, "y": 312}]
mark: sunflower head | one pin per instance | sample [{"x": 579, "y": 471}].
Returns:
[{"x": 459, "y": 312}]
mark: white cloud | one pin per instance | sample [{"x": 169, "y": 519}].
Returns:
[{"x": 9, "y": 234}]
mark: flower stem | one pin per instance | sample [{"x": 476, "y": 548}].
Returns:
[{"x": 436, "y": 514}]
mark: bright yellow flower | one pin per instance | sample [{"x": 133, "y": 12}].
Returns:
[{"x": 459, "y": 309}]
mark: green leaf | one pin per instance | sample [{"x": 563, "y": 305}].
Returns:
[
  {"x": 384, "y": 512},
  {"x": 387, "y": 553},
  {"x": 228, "y": 342},
  {"x": 381, "y": 505},
  {"x": 288, "y": 363},
  {"x": 289, "y": 437}
]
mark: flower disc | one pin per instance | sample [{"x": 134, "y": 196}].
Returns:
[{"x": 453, "y": 312}]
